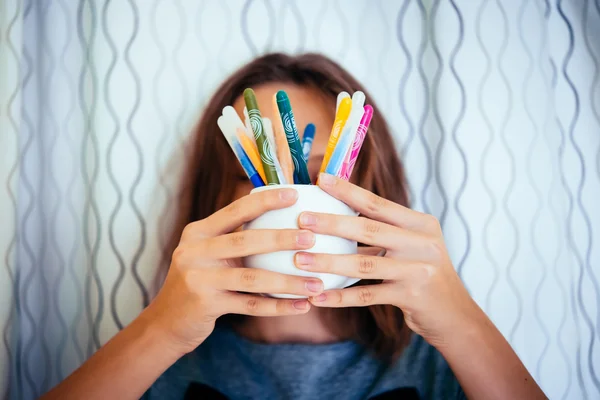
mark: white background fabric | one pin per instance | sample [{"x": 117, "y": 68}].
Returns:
[{"x": 495, "y": 106}]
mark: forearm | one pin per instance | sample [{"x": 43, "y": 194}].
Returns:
[
  {"x": 486, "y": 366},
  {"x": 124, "y": 368}
]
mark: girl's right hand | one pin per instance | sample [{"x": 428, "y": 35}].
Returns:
[{"x": 206, "y": 274}]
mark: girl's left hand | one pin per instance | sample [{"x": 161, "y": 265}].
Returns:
[{"x": 418, "y": 276}]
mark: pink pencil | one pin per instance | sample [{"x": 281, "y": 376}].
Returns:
[{"x": 361, "y": 132}]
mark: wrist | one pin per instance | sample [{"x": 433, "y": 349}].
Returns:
[
  {"x": 467, "y": 333},
  {"x": 157, "y": 333}
]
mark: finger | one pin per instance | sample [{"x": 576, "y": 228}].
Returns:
[
  {"x": 372, "y": 251},
  {"x": 256, "y": 241},
  {"x": 376, "y": 207},
  {"x": 355, "y": 266},
  {"x": 358, "y": 296},
  {"x": 364, "y": 230},
  {"x": 254, "y": 280},
  {"x": 239, "y": 212},
  {"x": 248, "y": 304}
]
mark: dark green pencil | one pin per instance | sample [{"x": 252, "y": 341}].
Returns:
[{"x": 301, "y": 175}]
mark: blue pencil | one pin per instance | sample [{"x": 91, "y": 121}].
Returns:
[
  {"x": 239, "y": 153},
  {"x": 307, "y": 140},
  {"x": 247, "y": 165},
  {"x": 339, "y": 153}
]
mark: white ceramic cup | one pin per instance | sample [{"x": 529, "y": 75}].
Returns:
[{"x": 310, "y": 198}]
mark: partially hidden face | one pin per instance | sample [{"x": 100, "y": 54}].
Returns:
[{"x": 309, "y": 106}]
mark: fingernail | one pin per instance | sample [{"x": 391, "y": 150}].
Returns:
[
  {"x": 300, "y": 304},
  {"x": 326, "y": 179},
  {"x": 308, "y": 219},
  {"x": 305, "y": 238},
  {"x": 305, "y": 259},
  {"x": 288, "y": 194},
  {"x": 314, "y": 286},
  {"x": 319, "y": 298}
]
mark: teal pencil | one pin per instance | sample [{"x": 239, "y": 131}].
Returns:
[
  {"x": 264, "y": 148},
  {"x": 291, "y": 133}
]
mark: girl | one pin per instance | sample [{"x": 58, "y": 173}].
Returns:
[{"x": 408, "y": 328}]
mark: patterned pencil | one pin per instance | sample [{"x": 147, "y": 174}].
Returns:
[
  {"x": 283, "y": 148},
  {"x": 291, "y": 132},
  {"x": 307, "y": 140},
  {"x": 338, "y": 125},
  {"x": 264, "y": 148},
  {"x": 361, "y": 132}
]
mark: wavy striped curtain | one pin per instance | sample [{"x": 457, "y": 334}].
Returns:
[{"x": 495, "y": 106}]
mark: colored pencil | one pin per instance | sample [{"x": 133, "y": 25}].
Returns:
[
  {"x": 247, "y": 125},
  {"x": 240, "y": 154},
  {"x": 268, "y": 126},
  {"x": 250, "y": 148},
  {"x": 358, "y": 101},
  {"x": 291, "y": 133},
  {"x": 339, "y": 154},
  {"x": 340, "y": 120},
  {"x": 346, "y": 139},
  {"x": 307, "y": 140},
  {"x": 341, "y": 96},
  {"x": 283, "y": 148},
  {"x": 361, "y": 132},
  {"x": 262, "y": 143}
]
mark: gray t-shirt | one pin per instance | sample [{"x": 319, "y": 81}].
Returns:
[{"x": 228, "y": 366}]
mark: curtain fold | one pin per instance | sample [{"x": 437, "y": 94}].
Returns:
[{"x": 495, "y": 108}]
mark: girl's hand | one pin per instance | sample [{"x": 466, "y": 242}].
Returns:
[
  {"x": 206, "y": 275},
  {"x": 418, "y": 276}
]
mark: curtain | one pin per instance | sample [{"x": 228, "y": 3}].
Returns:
[{"x": 495, "y": 108}]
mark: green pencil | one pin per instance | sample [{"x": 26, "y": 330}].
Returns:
[
  {"x": 264, "y": 148},
  {"x": 291, "y": 132}
]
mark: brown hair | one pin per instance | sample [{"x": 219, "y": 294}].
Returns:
[{"x": 207, "y": 180}]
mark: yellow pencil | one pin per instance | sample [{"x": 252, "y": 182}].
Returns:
[
  {"x": 252, "y": 152},
  {"x": 340, "y": 120},
  {"x": 283, "y": 148}
]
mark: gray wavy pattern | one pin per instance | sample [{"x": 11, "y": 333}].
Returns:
[
  {"x": 595, "y": 87},
  {"x": 549, "y": 118},
  {"x": 181, "y": 79},
  {"x": 248, "y": 26},
  {"x": 455, "y": 127},
  {"x": 551, "y": 78},
  {"x": 91, "y": 213},
  {"x": 71, "y": 263},
  {"x": 583, "y": 264},
  {"x": 486, "y": 234},
  {"x": 402, "y": 90},
  {"x": 49, "y": 189},
  {"x": 511, "y": 156},
  {"x": 10, "y": 329},
  {"x": 435, "y": 88},
  {"x": 161, "y": 147},
  {"x": 557, "y": 265},
  {"x": 532, "y": 181},
  {"x": 61, "y": 130},
  {"x": 111, "y": 168},
  {"x": 30, "y": 343},
  {"x": 320, "y": 20},
  {"x": 572, "y": 246},
  {"x": 593, "y": 99},
  {"x": 425, "y": 38},
  {"x": 301, "y": 26},
  {"x": 140, "y": 165},
  {"x": 222, "y": 56},
  {"x": 339, "y": 11},
  {"x": 384, "y": 51}
]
